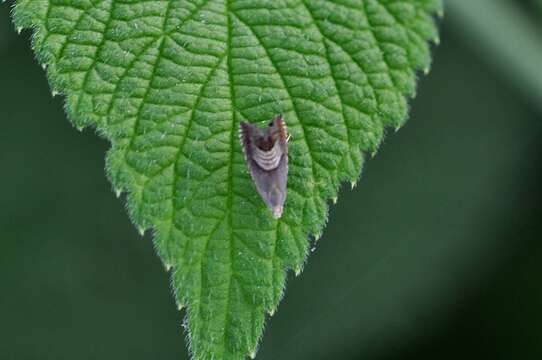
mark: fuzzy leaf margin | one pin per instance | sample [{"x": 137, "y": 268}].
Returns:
[{"x": 167, "y": 83}]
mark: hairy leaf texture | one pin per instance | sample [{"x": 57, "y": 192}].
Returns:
[{"x": 167, "y": 82}]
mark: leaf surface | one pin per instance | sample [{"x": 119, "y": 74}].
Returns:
[{"x": 167, "y": 83}]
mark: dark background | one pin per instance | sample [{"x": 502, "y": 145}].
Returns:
[{"x": 436, "y": 254}]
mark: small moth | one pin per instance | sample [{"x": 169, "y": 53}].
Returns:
[{"x": 266, "y": 155}]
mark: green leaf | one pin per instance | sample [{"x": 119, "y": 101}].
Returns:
[{"x": 167, "y": 83}]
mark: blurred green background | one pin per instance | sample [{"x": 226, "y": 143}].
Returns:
[{"x": 436, "y": 254}]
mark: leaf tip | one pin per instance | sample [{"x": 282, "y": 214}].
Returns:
[
  {"x": 55, "y": 93},
  {"x": 19, "y": 29},
  {"x": 141, "y": 231},
  {"x": 353, "y": 183},
  {"x": 118, "y": 192}
]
